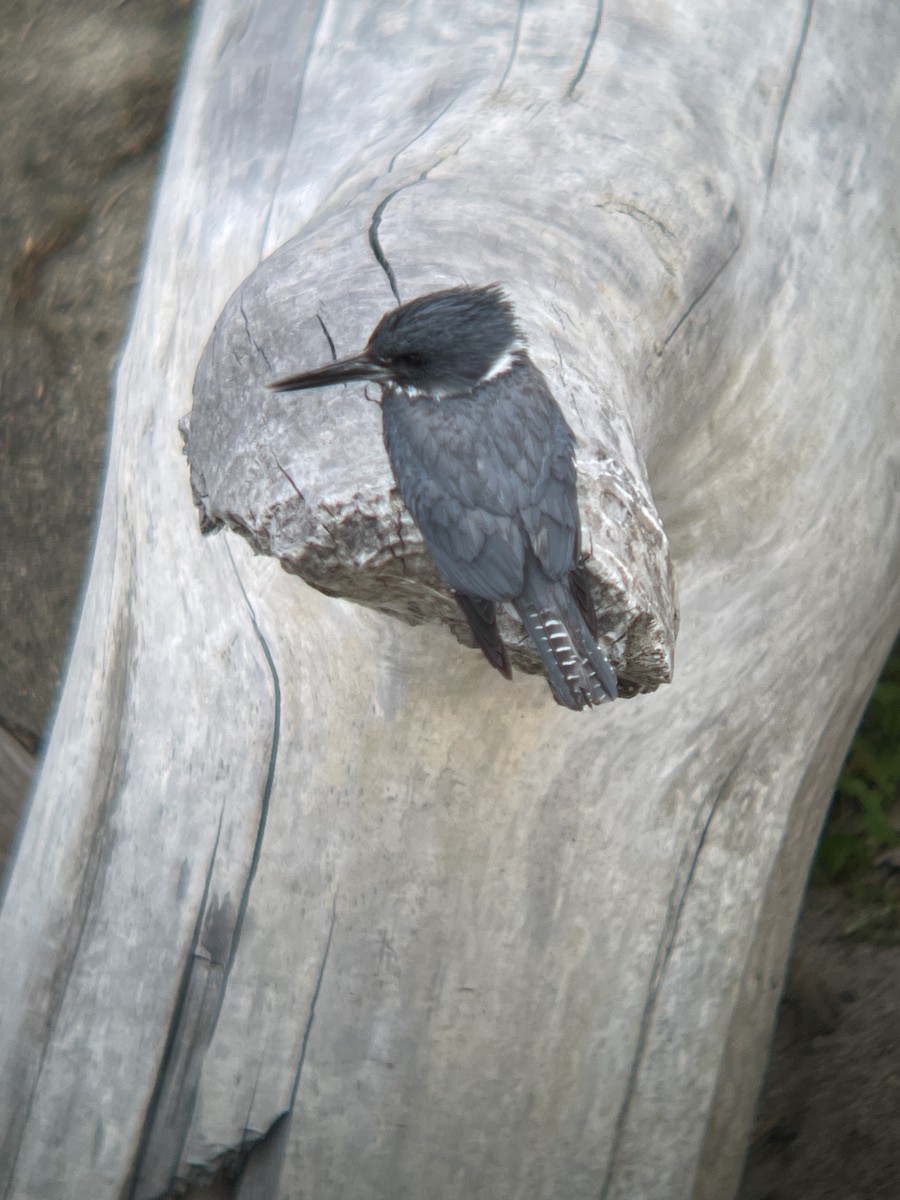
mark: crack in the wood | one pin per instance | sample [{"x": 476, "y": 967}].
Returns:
[
  {"x": 328, "y": 337},
  {"x": 674, "y": 912},
  {"x": 704, "y": 291},
  {"x": 202, "y": 1037},
  {"x": 273, "y": 1143},
  {"x": 256, "y": 1167},
  {"x": 425, "y": 128},
  {"x": 786, "y": 97},
  {"x": 535, "y": 110},
  {"x": 301, "y": 81},
  {"x": 375, "y": 223},
  {"x": 639, "y": 214},
  {"x": 314, "y": 1000},
  {"x": 290, "y": 480},
  {"x": 175, "y": 1032},
  {"x": 588, "y": 51},
  {"x": 247, "y": 1130},
  {"x": 514, "y": 48},
  {"x": 643, "y": 218},
  {"x": 267, "y": 787},
  {"x": 375, "y": 244},
  {"x": 329, "y": 509},
  {"x": 250, "y": 338}
]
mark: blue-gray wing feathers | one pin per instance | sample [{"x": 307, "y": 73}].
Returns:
[{"x": 489, "y": 478}]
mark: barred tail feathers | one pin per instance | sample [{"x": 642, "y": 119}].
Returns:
[{"x": 578, "y": 671}]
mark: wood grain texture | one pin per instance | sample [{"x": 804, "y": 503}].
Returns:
[{"x": 314, "y": 896}]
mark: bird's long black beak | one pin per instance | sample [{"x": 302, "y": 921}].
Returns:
[{"x": 346, "y": 371}]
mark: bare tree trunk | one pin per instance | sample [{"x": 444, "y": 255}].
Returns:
[{"x": 314, "y": 896}]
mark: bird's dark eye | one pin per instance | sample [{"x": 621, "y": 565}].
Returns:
[{"x": 411, "y": 359}]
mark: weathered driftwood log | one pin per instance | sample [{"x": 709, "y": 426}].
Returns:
[
  {"x": 332, "y": 514},
  {"x": 308, "y": 481},
  {"x": 316, "y": 896}
]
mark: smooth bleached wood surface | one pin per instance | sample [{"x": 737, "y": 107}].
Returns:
[{"x": 316, "y": 896}]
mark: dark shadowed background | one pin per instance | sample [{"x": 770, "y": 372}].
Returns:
[{"x": 85, "y": 91}]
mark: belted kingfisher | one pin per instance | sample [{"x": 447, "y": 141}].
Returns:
[{"x": 484, "y": 460}]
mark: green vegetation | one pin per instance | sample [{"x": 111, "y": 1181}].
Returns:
[{"x": 860, "y": 846}]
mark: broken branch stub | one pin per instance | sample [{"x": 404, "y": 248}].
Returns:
[{"x": 305, "y": 477}]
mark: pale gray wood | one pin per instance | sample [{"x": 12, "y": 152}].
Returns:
[{"x": 291, "y": 856}]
